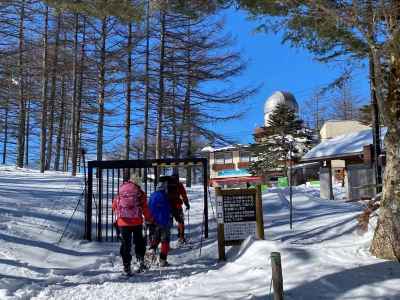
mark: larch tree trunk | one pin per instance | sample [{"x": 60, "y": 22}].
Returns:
[
  {"x": 52, "y": 98},
  {"x": 174, "y": 117},
  {"x": 128, "y": 93},
  {"x": 6, "y": 110},
  {"x": 66, "y": 144},
  {"x": 183, "y": 121},
  {"x": 45, "y": 79},
  {"x": 160, "y": 103},
  {"x": 21, "y": 102},
  {"x": 61, "y": 118},
  {"x": 188, "y": 104},
  {"x": 27, "y": 128},
  {"x": 188, "y": 85},
  {"x": 78, "y": 125},
  {"x": 386, "y": 241},
  {"x": 147, "y": 87},
  {"x": 189, "y": 155},
  {"x": 102, "y": 89},
  {"x": 74, "y": 96}
]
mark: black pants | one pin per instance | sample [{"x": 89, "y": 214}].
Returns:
[
  {"x": 126, "y": 243},
  {"x": 178, "y": 215}
]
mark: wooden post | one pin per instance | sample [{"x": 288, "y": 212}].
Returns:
[
  {"x": 221, "y": 242},
  {"x": 259, "y": 213},
  {"x": 220, "y": 230},
  {"x": 329, "y": 165},
  {"x": 277, "y": 280}
]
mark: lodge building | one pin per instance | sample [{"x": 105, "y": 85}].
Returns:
[{"x": 230, "y": 165}]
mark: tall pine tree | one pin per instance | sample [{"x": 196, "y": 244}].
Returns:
[{"x": 286, "y": 138}]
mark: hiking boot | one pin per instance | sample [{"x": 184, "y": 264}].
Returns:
[
  {"x": 153, "y": 256},
  {"x": 142, "y": 267},
  {"x": 127, "y": 270},
  {"x": 163, "y": 263},
  {"x": 181, "y": 241}
]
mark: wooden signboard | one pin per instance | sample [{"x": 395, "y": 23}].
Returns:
[{"x": 239, "y": 214}]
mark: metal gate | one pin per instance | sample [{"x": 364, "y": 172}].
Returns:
[{"x": 105, "y": 178}]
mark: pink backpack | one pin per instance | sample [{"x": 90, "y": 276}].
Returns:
[{"x": 128, "y": 201}]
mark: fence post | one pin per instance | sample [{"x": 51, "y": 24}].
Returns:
[
  {"x": 259, "y": 213},
  {"x": 277, "y": 280},
  {"x": 88, "y": 205},
  {"x": 100, "y": 206},
  {"x": 205, "y": 195}
]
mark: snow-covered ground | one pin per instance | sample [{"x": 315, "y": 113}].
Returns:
[{"x": 323, "y": 257}]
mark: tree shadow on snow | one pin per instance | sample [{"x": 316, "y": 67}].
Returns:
[
  {"x": 36, "y": 195},
  {"x": 315, "y": 235},
  {"x": 20, "y": 264},
  {"x": 47, "y": 246},
  {"x": 298, "y": 253},
  {"x": 13, "y": 283},
  {"x": 300, "y": 217},
  {"x": 335, "y": 285},
  {"x": 316, "y": 210},
  {"x": 34, "y": 214}
]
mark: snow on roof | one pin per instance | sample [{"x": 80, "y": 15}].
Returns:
[
  {"x": 342, "y": 145},
  {"x": 229, "y": 147},
  {"x": 207, "y": 149}
]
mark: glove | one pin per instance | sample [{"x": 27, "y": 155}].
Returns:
[{"x": 187, "y": 206}]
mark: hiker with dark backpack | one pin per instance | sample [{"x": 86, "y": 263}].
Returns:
[
  {"x": 178, "y": 196},
  {"x": 160, "y": 230},
  {"x": 130, "y": 205}
]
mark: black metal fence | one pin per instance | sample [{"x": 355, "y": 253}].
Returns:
[{"x": 105, "y": 178}]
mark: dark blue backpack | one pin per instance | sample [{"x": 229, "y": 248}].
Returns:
[{"x": 160, "y": 208}]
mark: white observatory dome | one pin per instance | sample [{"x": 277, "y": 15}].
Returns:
[{"x": 278, "y": 97}]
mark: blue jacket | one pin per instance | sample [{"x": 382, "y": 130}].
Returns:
[{"x": 160, "y": 209}]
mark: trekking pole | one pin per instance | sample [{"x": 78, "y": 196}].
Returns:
[
  {"x": 188, "y": 214},
  {"x": 70, "y": 219},
  {"x": 201, "y": 237},
  {"x": 212, "y": 206}
]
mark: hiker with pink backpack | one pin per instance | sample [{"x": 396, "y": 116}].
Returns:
[{"x": 130, "y": 205}]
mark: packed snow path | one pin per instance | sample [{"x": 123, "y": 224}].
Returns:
[{"x": 323, "y": 257}]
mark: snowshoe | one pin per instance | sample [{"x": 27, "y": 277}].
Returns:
[
  {"x": 163, "y": 263},
  {"x": 128, "y": 271},
  {"x": 150, "y": 257},
  {"x": 181, "y": 242},
  {"x": 142, "y": 267}
]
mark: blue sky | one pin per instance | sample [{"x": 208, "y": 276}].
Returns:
[{"x": 277, "y": 67}]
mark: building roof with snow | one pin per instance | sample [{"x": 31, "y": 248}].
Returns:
[
  {"x": 334, "y": 128},
  {"x": 226, "y": 148},
  {"x": 342, "y": 146}
]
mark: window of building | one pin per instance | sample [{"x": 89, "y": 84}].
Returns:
[
  {"x": 244, "y": 156},
  {"x": 219, "y": 158},
  {"x": 224, "y": 158}
]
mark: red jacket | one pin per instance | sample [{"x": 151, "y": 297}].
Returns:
[
  {"x": 141, "y": 202},
  {"x": 178, "y": 196}
]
